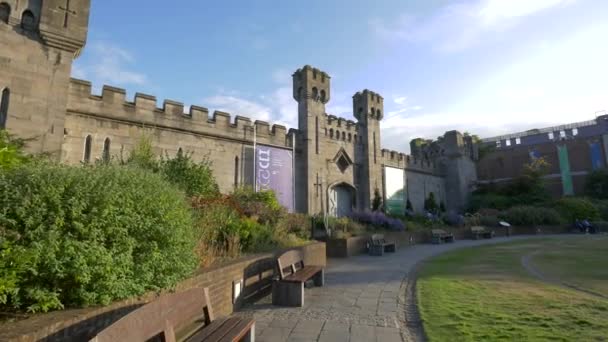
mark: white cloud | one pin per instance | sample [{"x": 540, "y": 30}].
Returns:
[
  {"x": 456, "y": 27},
  {"x": 239, "y": 106},
  {"x": 107, "y": 63},
  {"x": 496, "y": 10}
]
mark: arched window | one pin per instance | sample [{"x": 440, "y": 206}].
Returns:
[
  {"x": 343, "y": 136},
  {"x": 350, "y": 137},
  {"x": 315, "y": 93},
  {"x": 180, "y": 152},
  {"x": 373, "y": 112},
  {"x": 323, "y": 95},
  {"x": 106, "y": 150},
  {"x": 5, "y": 12},
  {"x": 88, "y": 142},
  {"x": 28, "y": 21},
  {"x": 331, "y": 133},
  {"x": 355, "y": 138},
  {"x": 337, "y": 135},
  {"x": 6, "y": 94},
  {"x": 378, "y": 114}
]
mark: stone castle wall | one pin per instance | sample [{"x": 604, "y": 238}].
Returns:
[{"x": 226, "y": 143}]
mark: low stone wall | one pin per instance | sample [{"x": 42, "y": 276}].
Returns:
[
  {"x": 343, "y": 248},
  {"x": 82, "y": 324}
]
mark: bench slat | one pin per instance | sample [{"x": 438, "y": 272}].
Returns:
[
  {"x": 303, "y": 274},
  {"x": 206, "y": 332},
  {"x": 238, "y": 331}
]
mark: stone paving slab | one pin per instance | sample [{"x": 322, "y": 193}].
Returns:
[{"x": 363, "y": 299}]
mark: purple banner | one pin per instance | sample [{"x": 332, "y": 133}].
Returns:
[{"x": 274, "y": 171}]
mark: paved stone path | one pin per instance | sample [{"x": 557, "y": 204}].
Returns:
[{"x": 364, "y": 299}]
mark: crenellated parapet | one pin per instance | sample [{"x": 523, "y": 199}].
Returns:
[
  {"x": 143, "y": 111},
  {"x": 311, "y": 84},
  {"x": 341, "y": 129},
  {"x": 368, "y": 105}
]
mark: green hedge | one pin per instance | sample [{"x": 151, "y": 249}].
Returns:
[
  {"x": 78, "y": 236},
  {"x": 575, "y": 208},
  {"x": 529, "y": 215}
]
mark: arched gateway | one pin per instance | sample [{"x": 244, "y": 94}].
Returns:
[{"x": 341, "y": 200}]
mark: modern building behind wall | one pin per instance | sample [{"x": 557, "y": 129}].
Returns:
[{"x": 572, "y": 152}]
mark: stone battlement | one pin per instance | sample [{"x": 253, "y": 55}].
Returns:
[{"x": 143, "y": 110}]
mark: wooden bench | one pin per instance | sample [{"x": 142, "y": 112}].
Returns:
[
  {"x": 288, "y": 286},
  {"x": 378, "y": 245},
  {"x": 183, "y": 316},
  {"x": 478, "y": 232},
  {"x": 441, "y": 236}
]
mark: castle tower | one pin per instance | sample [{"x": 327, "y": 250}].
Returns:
[
  {"x": 461, "y": 172},
  {"x": 311, "y": 88},
  {"x": 368, "y": 108},
  {"x": 38, "y": 43}
]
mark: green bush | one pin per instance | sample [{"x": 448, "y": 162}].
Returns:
[
  {"x": 430, "y": 204},
  {"x": 263, "y": 206},
  {"x": 298, "y": 224},
  {"x": 529, "y": 215},
  {"x": 596, "y": 185},
  {"x": 11, "y": 151},
  {"x": 91, "y": 235},
  {"x": 489, "y": 200},
  {"x": 196, "y": 179},
  {"x": 602, "y": 207},
  {"x": 575, "y": 208}
]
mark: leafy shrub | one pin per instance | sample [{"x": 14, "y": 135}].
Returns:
[
  {"x": 11, "y": 151},
  {"x": 378, "y": 219},
  {"x": 263, "y": 206},
  {"x": 91, "y": 235},
  {"x": 573, "y": 208},
  {"x": 472, "y": 220},
  {"x": 216, "y": 237},
  {"x": 430, "y": 204},
  {"x": 596, "y": 185},
  {"x": 489, "y": 200},
  {"x": 196, "y": 179},
  {"x": 602, "y": 207},
  {"x": 377, "y": 204},
  {"x": 453, "y": 219},
  {"x": 298, "y": 224},
  {"x": 528, "y": 215}
]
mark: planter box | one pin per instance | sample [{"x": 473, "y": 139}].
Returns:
[{"x": 344, "y": 248}]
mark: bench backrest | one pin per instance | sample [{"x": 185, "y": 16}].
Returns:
[
  {"x": 160, "y": 317},
  {"x": 290, "y": 262},
  {"x": 438, "y": 232},
  {"x": 377, "y": 239}
]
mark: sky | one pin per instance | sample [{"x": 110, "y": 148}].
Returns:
[{"x": 487, "y": 67}]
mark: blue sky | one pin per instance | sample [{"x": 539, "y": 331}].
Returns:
[{"x": 484, "y": 66}]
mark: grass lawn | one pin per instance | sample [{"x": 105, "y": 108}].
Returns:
[{"x": 485, "y": 293}]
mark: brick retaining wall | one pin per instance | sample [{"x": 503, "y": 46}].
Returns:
[{"x": 82, "y": 324}]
